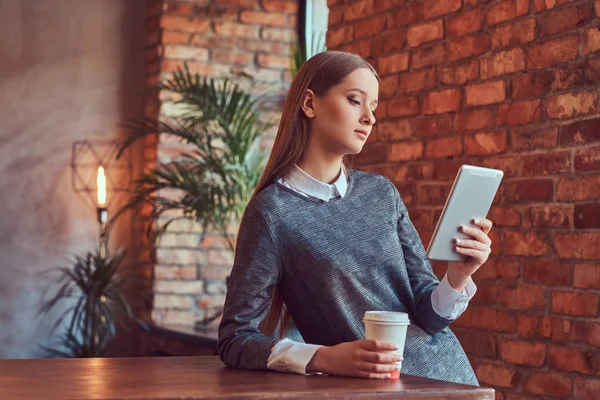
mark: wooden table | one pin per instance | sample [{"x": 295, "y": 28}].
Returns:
[
  {"x": 201, "y": 378},
  {"x": 177, "y": 340}
]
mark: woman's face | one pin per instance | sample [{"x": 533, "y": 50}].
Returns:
[{"x": 342, "y": 119}]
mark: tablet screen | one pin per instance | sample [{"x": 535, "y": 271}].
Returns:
[{"x": 471, "y": 197}]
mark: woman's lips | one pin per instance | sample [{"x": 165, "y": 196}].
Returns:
[{"x": 361, "y": 133}]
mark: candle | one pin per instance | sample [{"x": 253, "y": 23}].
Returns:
[{"x": 101, "y": 183}]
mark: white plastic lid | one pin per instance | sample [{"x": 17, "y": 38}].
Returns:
[{"x": 392, "y": 317}]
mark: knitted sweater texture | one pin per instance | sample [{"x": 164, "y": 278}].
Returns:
[{"x": 333, "y": 261}]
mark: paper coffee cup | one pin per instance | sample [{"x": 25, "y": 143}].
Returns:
[{"x": 389, "y": 326}]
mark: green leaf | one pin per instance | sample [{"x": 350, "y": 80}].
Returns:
[
  {"x": 220, "y": 128},
  {"x": 299, "y": 55},
  {"x": 100, "y": 304}
]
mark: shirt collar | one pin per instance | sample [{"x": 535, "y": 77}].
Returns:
[{"x": 300, "y": 180}]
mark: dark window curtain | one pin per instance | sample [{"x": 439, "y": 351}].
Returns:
[{"x": 301, "y": 29}]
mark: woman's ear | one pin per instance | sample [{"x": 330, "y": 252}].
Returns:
[{"x": 308, "y": 103}]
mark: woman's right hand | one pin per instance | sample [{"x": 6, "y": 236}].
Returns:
[{"x": 362, "y": 358}]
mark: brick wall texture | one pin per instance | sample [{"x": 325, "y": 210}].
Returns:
[
  {"x": 215, "y": 38},
  {"x": 510, "y": 84}
]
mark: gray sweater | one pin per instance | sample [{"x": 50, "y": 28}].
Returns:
[{"x": 334, "y": 261}]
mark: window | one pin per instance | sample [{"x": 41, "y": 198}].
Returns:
[{"x": 315, "y": 15}]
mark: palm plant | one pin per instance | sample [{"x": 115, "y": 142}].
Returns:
[
  {"x": 219, "y": 122},
  {"x": 97, "y": 305}
]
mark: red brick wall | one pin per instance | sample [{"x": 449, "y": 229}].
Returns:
[
  {"x": 510, "y": 84},
  {"x": 214, "y": 37}
]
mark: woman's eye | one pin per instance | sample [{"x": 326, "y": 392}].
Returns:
[{"x": 353, "y": 101}]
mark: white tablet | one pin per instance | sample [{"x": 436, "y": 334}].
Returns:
[{"x": 471, "y": 197}]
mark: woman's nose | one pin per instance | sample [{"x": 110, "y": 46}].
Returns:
[{"x": 369, "y": 118}]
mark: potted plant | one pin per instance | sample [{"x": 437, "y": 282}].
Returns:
[
  {"x": 96, "y": 304},
  {"x": 211, "y": 182}
]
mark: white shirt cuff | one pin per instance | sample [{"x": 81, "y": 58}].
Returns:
[
  {"x": 447, "y": 302},
  {"x": 291, "y": 356}
]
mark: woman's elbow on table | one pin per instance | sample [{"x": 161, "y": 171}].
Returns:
[
  {"x": 247, "y": 350},
  {"x": 224, "y": 349}
]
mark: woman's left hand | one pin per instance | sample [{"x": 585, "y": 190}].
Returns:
[{"x": 478, "y": 250}]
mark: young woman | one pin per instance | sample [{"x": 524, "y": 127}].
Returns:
[{"x": 323, "y": 243}]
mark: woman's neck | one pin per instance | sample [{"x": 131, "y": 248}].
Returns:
[{"x": 324, "y": 169}]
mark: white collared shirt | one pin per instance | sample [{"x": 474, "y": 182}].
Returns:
[
  {"x": 305, "y": 184},
  {"x": 289, "y": 355}
]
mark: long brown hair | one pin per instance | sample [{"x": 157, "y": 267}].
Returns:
[{"x": 319, "y": 74}]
